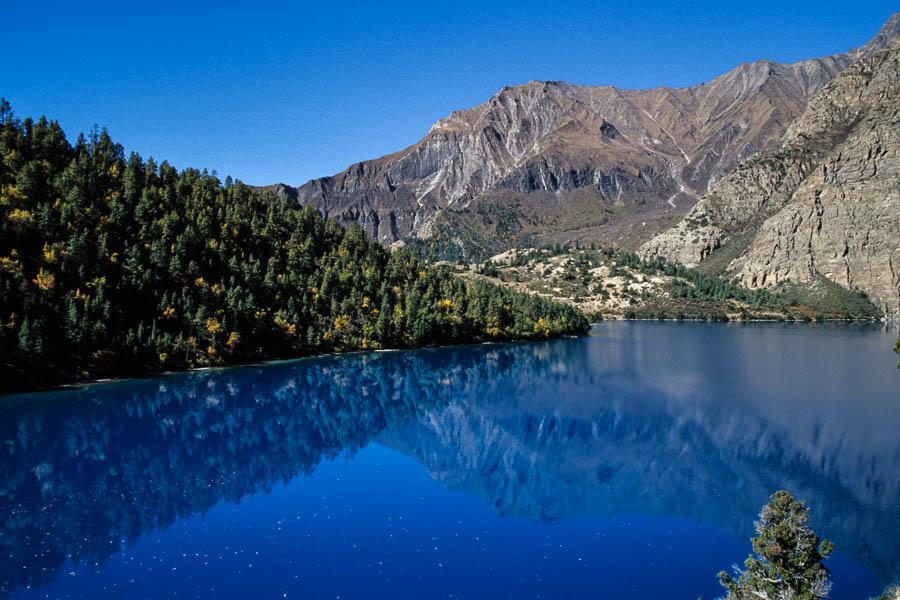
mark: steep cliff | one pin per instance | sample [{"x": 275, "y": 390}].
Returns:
[
  {"x": 826, "y": 203},
  {"x": 575, "y": 162}
]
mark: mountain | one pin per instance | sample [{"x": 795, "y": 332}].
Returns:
[
  {"x": 115, "y": 267},
  {"x": 822, "y": 206},
  {"x": 550, "y": 161},
  {"x": 603, "y": 448}
]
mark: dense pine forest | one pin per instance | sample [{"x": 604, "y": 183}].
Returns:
[{"x": 113, "y": 265}]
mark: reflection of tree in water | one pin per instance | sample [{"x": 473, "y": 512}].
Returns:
[
  {"x": 88, "y": 471},
  {"x": 541, "y": 431}
]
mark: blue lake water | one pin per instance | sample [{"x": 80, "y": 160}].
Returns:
[{"x": 630, "y": 463}]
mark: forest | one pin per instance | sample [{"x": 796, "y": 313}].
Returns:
[{"x": 116, "y": 266}]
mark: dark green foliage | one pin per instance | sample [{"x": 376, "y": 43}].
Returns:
[
  {"x": 112, "y": 265},
  {"x": 890, "y": 593},
  {"x": 831, "y": 298},
  {"x": 488, "y": 269},
  {"x": 787, "y": 559}
]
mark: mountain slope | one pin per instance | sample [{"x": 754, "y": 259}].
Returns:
[
  {"x": 826, "y": 203},
  {"x": 575, "y": 162},
  {"x": 112, "y": 267}
]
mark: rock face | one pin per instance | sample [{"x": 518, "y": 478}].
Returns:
[
  {"x": 825, "y": 203},
  {"x": 550, "y": 148}
]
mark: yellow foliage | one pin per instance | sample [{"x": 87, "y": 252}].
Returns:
[
  {"x": 541, "y": 327},
  {"x": 20, "y": 217},
  {"x": 79, "y": 295},
  {"x": 113, "y": 170},
  {"x": 199, "y": 282},
  {"x": 191, "y": 341},
  {"x": 213, "y": 326},
  {"x": 493, "y": 327},
  {"x": 288, "y": 328},
  {"x": 44, "y": 281},
  {"x": 114, "y": 257},
  {"x": 259, "y": 314},
  {"x": 163, "y": 357},
  {"x": 342, "y": 322},
  {"x": 233, "y": 339},
  {"x": 168, "y": 313},
  {"x": 216, "y": 289},
  {"x": 102, "y": 355},
  {"x": 49, "y": 253},
  {"x": 445, "y": 303},
  {"x": 210, "y": 351},
  {"x": 10, "y": 263},
  {"x": 11, "y": 324},
  {"x": 213, "y": 243},
  {"x": 365, "y": 302},
  {"x": 9, "y": 194}
]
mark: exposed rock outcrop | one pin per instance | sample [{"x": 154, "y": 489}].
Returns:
[
  {"x": 826, "y": 203},
  {"x": 647, "y": 152}
]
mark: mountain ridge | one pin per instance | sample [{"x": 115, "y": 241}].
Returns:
[
  {"x": 822, "y": 204},
  {"x": 629, "y": 156}
]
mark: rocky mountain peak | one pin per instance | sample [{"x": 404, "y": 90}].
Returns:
[
  {"x": 824, "y": 204},
  {"x": 566, "y": 162}
]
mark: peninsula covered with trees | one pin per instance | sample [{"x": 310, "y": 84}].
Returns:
[{"x": 113, "y": 265}]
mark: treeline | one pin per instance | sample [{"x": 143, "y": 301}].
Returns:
[{"x": 112, "y": 265}]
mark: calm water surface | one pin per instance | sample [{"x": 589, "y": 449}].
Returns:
[{"x": 629, "y": 463}]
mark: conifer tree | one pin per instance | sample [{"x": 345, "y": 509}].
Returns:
[{"x": 787, "y": 559}]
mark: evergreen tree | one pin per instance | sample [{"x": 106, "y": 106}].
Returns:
[
  {"x": 890, "y": 593},
  {"x": 787, "y": 559},
  {"x": 112, "y": 266}
]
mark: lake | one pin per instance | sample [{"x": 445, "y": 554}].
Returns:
[{"x": 629, "y": 463}]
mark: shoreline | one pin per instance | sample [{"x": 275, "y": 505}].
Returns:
[{"x": 77, "y": 385}]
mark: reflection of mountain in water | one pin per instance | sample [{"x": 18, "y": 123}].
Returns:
[
  {"x": 541, "y": 431},
  {"x": 86, "y": 471},
  {"x": 565, "y": 439}
]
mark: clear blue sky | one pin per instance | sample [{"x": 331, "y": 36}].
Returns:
[{"x": 292, "y": 90}]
